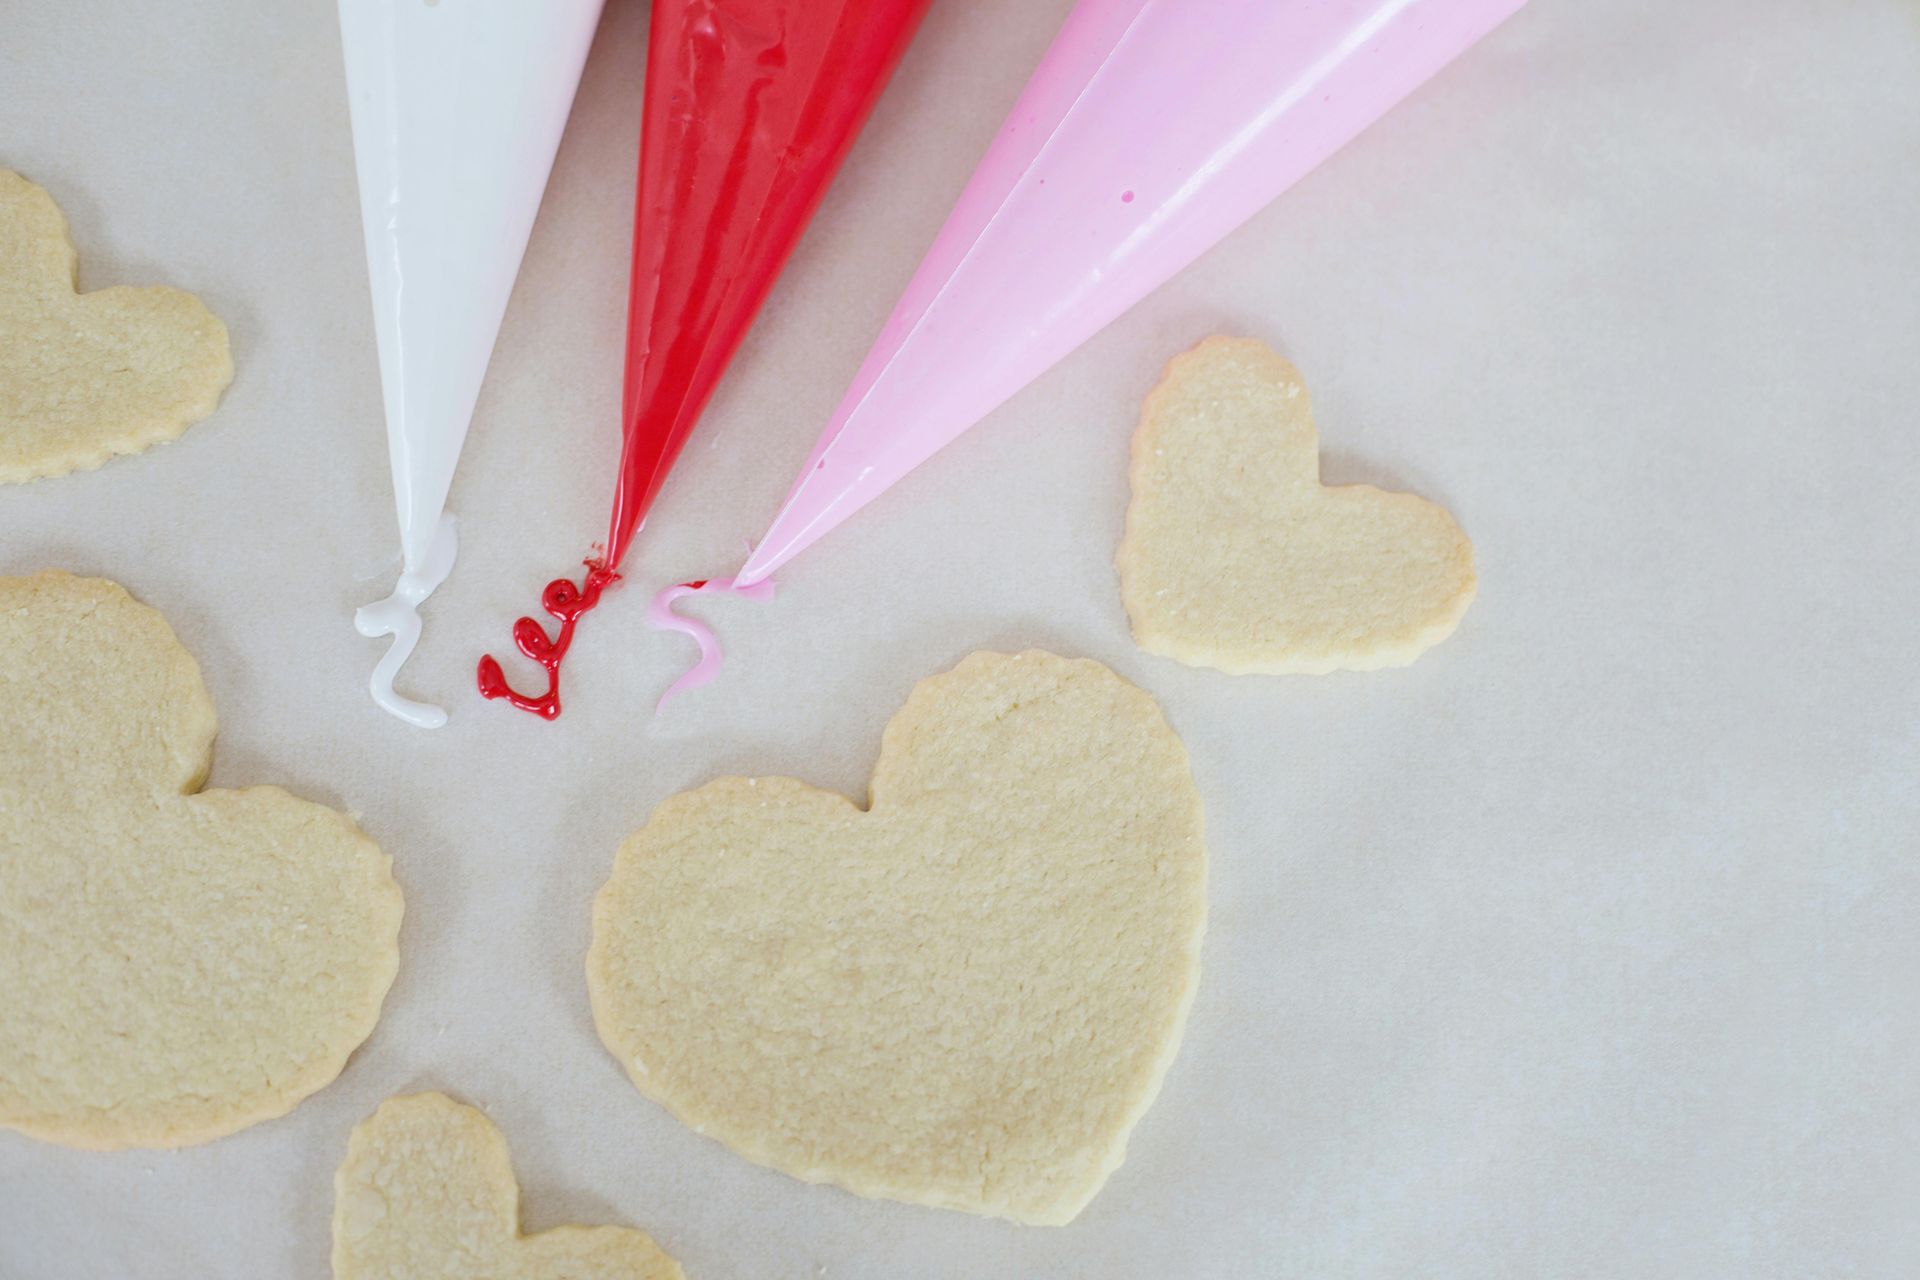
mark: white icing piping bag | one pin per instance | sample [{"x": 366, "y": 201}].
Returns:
[{"x": 457, "y": 109}]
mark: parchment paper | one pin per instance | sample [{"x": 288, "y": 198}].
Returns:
[{"x": 1585, "y": 947}]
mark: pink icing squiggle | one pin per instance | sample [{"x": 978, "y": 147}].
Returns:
[{"x": 661, "y": 617}]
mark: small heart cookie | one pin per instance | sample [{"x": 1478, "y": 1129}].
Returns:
[
  {"x": 85, "y": 376},
  {"x": 175, "y": 964},
  {"x": 963, "y": 995},
  {"x": 426, "y": 1193},
  {"x": 1237, "y": 557}
]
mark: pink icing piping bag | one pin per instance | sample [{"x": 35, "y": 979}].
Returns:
[
  {"x": 1150, "y": 130},
  {"x": 661, "y": 617}
]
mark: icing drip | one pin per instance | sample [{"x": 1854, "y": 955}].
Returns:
[
  {"x": 565, "y": 602},
  {"x": 399, "y": 616},
  {"x": 661, "y": 617}
]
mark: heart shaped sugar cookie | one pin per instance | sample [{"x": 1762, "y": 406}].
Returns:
[
  {"x": 1237, "y": 557},
  {"x": 963, "y": 995},
  {"x": 175, "y": 964},
  {"x": 85, "y": 376},
  {"x": 426, "y": 1193}
]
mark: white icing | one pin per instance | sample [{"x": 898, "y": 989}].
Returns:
[{"x": 399, "y": 616}]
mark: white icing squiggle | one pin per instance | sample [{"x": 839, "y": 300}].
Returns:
[{"x": 399, "y": 616}]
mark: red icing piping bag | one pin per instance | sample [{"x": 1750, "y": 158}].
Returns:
[{"x": 750, "y": 106}]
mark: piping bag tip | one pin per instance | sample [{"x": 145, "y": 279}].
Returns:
[
  {"x": 566, "y": 602},
  {"x": 399, "y": 616},
  {"x": 661, "y": 617}
]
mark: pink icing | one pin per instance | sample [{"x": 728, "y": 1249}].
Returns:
[{"x": 661, "y": 617}]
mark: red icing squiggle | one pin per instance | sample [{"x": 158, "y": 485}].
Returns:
[{"x": 566, "y": 602}]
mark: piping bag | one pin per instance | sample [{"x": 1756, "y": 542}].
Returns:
[
  {"x": 1150, "y": 130},
  {"x": 749, "y": 107},
  {"x": 457, "y": 113}
]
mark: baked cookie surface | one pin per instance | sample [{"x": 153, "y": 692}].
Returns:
[
  {"x": 175, "y": 964},
  {"x": 85, "y": 376},
  {"x": 1236, "y": 556},
  {"x": 427, "y": 1193},
  {"x": 964, "y": 995}
]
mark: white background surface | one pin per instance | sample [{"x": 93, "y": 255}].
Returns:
[{"x": 1587, "y": 946}]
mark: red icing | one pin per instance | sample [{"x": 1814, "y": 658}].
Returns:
[{"x": 566, "y": 602}]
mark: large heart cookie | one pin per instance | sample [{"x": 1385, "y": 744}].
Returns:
[
  {"x": 1237, "y": 557},
  {"x": 84, "y": 376},
  {"x": 426, "y": 1193},
  {"x": 173, "y": 966},
  {"x": 963, "y": 995}
]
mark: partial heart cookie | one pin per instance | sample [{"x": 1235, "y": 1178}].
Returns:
[
  {"x": 174, "y": 964},
  {"x": 1237, "y": 557},
  {"x": 85, "y": 376},
  {"x": 964, "y": 995},
  {"x": 426, "y": 1193}
]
